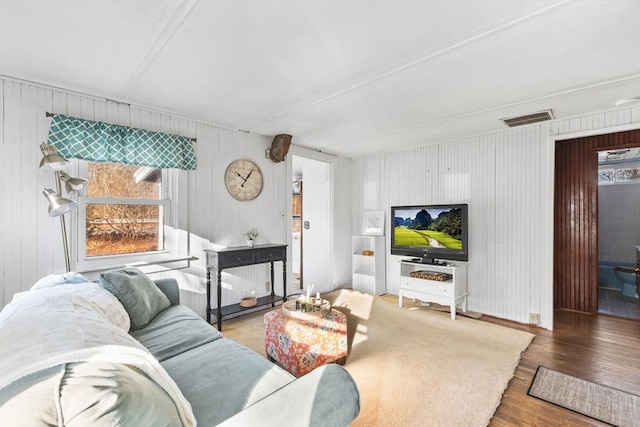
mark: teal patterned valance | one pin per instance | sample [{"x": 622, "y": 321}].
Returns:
[{"x": 102, "y": 142}]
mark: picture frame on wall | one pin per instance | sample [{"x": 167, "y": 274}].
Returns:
[{"x": 373, "y": 223}]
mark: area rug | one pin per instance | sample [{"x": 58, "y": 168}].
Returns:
[
  {"x": 413, "y": 366},
  {"x": 600, "y": 402},
  {"x": 443, "y": 308}
]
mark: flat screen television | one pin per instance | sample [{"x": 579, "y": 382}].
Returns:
[{"x": 429, "y": 233}]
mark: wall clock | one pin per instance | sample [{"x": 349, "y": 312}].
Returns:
[{"x": 243, "y": 179}]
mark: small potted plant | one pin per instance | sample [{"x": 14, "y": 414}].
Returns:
[{"x": 251, "y": 236}]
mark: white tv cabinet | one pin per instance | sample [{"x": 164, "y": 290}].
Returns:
[
  {"x": 368, "y": 270},
  {"x": 451, "y": 292}
]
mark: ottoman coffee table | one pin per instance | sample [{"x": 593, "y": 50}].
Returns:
[{"x": 301, "y": 345}]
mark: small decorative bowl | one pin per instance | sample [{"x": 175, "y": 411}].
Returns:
[{"x": 248, "y": 302}]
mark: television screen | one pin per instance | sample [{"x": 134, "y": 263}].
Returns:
[{"x": 430, "y": 232}]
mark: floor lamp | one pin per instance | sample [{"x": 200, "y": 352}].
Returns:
[{"x": 58, "y": 205}]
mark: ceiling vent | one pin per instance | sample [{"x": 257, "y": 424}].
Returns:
[{"x": 527, "y": 119}]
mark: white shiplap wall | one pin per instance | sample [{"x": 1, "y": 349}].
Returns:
[
  {"x": 30, "y": 242},
  {"x": 507, "y": 180},
  {"x": 506, "y": 177}
]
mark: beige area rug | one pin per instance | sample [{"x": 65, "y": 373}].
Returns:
[
  {"x": 415, "y": 366},
  {"x": 443, "y": 308},
  {"x": 615, "y": 407}
]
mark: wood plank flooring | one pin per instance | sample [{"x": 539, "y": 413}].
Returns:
[{"x": 598, "y": 348}]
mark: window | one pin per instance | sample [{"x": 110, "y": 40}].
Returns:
[
  {"x": 605, "y": 176},
  {"x": 124, "y": 216},
  {"x": 628, "y": 175},
  {"x": 619, "y": 175}
]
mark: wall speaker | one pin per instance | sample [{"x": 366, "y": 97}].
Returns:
[{"x": 280, "y": 147}]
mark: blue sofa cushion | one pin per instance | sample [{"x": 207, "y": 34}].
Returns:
[
  {"x": 138, "y": 294},
  {"x": 173, "y": 331},
  {"x": 222, "y": 378}
]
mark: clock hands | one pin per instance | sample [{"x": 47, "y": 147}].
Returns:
[{"x": 245, "y": 179}]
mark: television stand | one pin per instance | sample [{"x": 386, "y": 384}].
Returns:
[{"x": 449, "y": 292}]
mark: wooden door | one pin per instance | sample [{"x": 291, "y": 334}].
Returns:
[{"x": 575, "y": 268}]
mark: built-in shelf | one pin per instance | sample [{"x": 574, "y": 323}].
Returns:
[{"x": 368, "y": 272}]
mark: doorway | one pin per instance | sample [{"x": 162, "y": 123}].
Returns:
[
  {"x": 311, "y": 224},
  {"x": 575, "y": 266},
  {"x": 618, "y": 231}
]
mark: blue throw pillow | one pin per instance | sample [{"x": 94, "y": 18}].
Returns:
[{"x": 142, "y": 299}]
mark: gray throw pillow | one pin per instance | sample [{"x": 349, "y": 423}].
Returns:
[{"x": 138, "y": 294}]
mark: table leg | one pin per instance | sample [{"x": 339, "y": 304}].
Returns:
[
  {"x": 219, "y": 313},
  {"x": 284, "y": 279},
  {"x": 273, "y": 292},
  {"x": 208, "y": 295}
]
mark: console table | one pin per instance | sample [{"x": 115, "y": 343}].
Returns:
[{"x": 241, "y": 256}]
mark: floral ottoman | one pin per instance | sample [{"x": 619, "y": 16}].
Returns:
[{"x": 300, "y": 346}]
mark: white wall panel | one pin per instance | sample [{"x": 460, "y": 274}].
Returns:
[
  {"x": 506, "y": 177},
  {"x": 31, "y": 245},
  {"x": 342, "y": 223},
  {"x": 4, "y": 193},
  {"x": 507, "y": 180}
]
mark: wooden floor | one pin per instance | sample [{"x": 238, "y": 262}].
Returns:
[{"x": 598, "y": 348}]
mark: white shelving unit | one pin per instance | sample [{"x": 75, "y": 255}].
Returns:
[
  {"x": 450, "y": 292},
  {"x": 368, "y": 270}
]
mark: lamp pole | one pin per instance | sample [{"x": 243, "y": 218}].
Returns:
[{"x": 63, "y": 227}]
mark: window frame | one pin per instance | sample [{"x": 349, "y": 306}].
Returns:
[{"x": 170, "y": 250}]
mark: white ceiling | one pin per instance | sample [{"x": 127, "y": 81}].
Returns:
[{"x": 346, "y": 77}]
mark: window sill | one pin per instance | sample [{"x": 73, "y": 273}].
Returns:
[{"x": 157, "y": 265}]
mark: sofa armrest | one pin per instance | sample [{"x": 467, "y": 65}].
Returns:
[
  {"x": 327, "y": 396},
  {"x": 170, "y": 288}
]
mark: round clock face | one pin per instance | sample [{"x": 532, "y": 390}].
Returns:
[{"x": 243, "y": 179}]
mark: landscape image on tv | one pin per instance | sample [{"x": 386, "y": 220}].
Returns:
[{"x": 437, "y": 228}]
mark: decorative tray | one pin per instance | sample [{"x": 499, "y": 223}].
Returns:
[
  {"x": 289, "y": 309},
  {"x": 431, "y": 275}
]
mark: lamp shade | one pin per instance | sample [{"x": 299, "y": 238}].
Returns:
[
  {"x": 51, "y": 160},
  {"x": 71, "y": 184},
  {"x": 57, "y": 205}
]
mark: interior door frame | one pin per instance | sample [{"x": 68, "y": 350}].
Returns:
[
  {"x": 296, "y": 150},
  {"x": 590, "y": 301}
]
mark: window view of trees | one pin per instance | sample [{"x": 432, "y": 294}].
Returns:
[{"x": 130, "y": 218}]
